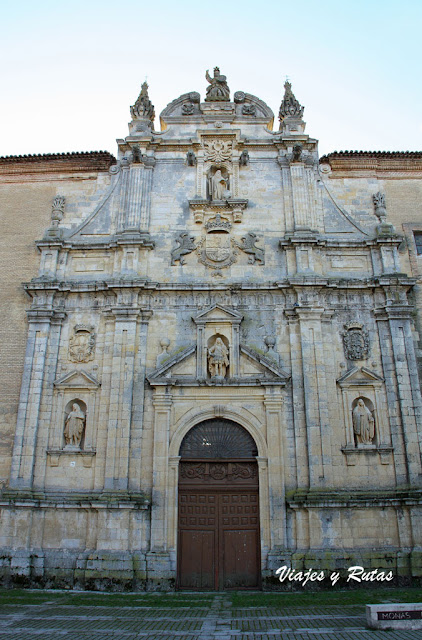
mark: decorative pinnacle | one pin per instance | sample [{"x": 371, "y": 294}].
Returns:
[
  {"x": 143, "y": 107},
  {"x": 290, "y": 106}
]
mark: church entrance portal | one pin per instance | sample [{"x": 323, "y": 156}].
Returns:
[{"x": 218, "y": 521}]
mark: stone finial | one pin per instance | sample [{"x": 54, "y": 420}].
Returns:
[
  {"x": 143, "y": 109},
  {"x": 290, "y": 106},
  {"x": 379, "y": 204},
  {"x": 384, "y": 228},
  {"x": 57, "y": 213},
  {"x": 57, "y": 210}
]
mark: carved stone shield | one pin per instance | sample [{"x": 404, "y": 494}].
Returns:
[
  {"x": 217, "y": 246},
  {"x": 82, "y": 344},
  {"x": 217, "y": 251}
]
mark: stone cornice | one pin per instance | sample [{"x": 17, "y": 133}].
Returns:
[
  {"x": 388, "y": 163},
  {"x": 73, "y": 500},
  {"x": 353, "y": 498},
  {"x": 50, "y": 285},
  {"x": 74, "y": 162}
]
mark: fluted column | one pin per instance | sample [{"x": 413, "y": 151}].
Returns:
[{"x": 301, "y": 208}]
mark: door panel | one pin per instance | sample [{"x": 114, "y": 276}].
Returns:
[
  {"x": 218, "y": 528},
  {"x": 197, "y": 570}
]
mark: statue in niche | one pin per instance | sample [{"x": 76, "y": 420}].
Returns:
[
  {"x": 218, "y": 91},
  {"x": 363, "y": 423},
  {"x": 218, "y": 186},
  {"x": 74, "y": 426},
  {"x": 218, "y": 359}
]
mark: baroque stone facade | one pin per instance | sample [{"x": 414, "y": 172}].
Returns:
[{"x": 221, "y": 354}]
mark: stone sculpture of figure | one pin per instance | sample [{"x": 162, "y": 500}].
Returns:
[
  {"x": 363, "y": 423},
  {"x": 218, "y": 91},
  {"x": 218, "y": 359},
  {"x": 74, "y": 426},
  {"x": 218, "y": 185}
]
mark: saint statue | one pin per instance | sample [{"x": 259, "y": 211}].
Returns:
[
  {"x": 363, "y": 423},
  {"x": 74, "y": 426},
  {"x": 218, "y": 359},
  {"x": 218, "y": 186},
  {"x": 218, "y": 90}
]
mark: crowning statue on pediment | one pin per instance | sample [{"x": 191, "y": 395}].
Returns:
[{"x": 218, "y": 91}]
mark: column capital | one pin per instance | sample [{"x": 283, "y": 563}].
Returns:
[
  {"x": 162, "y": 399},
  {"x": 45, "y": 316},
  {"x": 309, "y": 313},
  {"x": 396, "y": 312}
]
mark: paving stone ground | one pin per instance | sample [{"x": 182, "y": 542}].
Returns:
[{"x": 215, "y": 620}]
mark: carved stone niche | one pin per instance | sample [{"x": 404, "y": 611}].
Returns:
[
  {"x": 80, "y": 388},
  {"x": 364, "y": 389},
  {"x": 217, "y": 338}
]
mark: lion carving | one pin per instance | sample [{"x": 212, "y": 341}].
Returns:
[
  {"x": 186, "y": 244},
  {"x": 248, "y": 246}
]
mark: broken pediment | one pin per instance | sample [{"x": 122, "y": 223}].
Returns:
[
  {"x": 169, "y": 366},
  {"x": 184, "y": 369},
  {"x": 359, "y": 377},
  {"x": 77, "y": 380},
  {"x": 253, "y": 363},
  {"x": 188, "y": 108}
]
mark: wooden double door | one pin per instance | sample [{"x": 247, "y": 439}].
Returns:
[{"x": 218, "y": 525}]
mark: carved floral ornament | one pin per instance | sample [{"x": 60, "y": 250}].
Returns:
[
  {"x": 355, "y": 341},
  {"x": 218, "y": 471},
  {"x": 218, "y": 150},
  {"x": 82, "y": 343}
]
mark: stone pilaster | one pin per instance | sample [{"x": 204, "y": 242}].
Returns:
[
  {"x": 124, "y": 179},
  {"x": 120, "y": 401},
  {"x": 298, "y": 402},
  {"x": 45, "y": 415},
  {"x": 162, "y": 403},
  {"x": 135, "y": 207},
  {"x": 273, "y": 403},
  {"x": 287, "y": 194},
  {"x": 301, "y": 206},
  {"x": 403, "y": 391},
  {"x": 23, "y": 459},
  {"x": 135, "y": 468},
  {"x": 146, "y": 198},
  {"x": 315, "y": 394}
]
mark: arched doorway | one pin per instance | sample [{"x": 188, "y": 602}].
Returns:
[{"x": 218, "y": 514}]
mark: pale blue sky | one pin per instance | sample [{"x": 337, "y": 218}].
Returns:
[{"x": 70, "y": 70}]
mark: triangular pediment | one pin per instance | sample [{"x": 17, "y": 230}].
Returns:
[
  {"x": 253, "y": 363},
  {"x": 178, "y": 361},
  {"x": 77, "y": 380},
  {"x": 217, "y": 313},
  {"x": 359, "y": 376}
]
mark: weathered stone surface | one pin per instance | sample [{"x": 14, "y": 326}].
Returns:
[{"x": 213, "y": 271}]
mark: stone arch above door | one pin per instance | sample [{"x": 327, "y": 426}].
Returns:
[
  {"x": 187, "y": 422},
  {"x": 218, "y": 438},
  {"x": 219, "y": 541}
]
